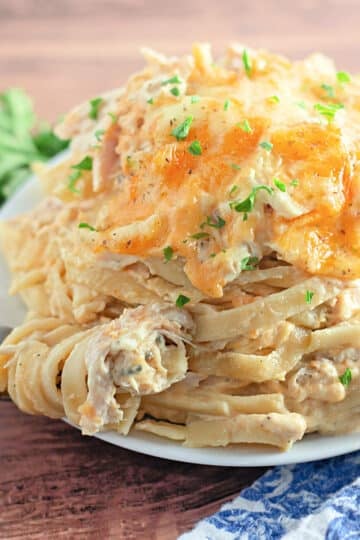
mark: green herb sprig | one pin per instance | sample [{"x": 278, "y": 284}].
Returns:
[
  {"x": 95, "y": 105},
  {"x": 247, "y": 205},
  {"x": 217, "y": 223},
  {"x": 195, "y": 148},
  {"x": 84, "y": 165},
  {"x": 246, "y": 63},
  {"x": 329, "y": 110},
  {"x": 23, "y": 140},
  {"x": 84, "y": 225},
  {"x": 181, "y": 131},
  {"x": 168, "y": 253},
  {"x": 182, "y": 300},
  {"x": 249, "y": 263},
  {"x": 346, "y": 377}
]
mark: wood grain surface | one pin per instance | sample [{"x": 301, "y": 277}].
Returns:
[{"x": 55, "y": 483}]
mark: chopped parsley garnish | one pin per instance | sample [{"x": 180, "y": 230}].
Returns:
[
  {"x": 249, "y": 263},
  {"x": 150, "y": 101},
  {"x": 233, "y": 189},
  {"x": 195, "y": 148},
  {"x": 173, "y": 80},
  {"x": 94, "y": 107},
  {"x": 200, "y": 235},
  {"x": 84, "y": 165},
  {"x": 328, "y": 110},
  {"x": 247, "y": 205},
  {"x": 84, "y": 225},
  {"x": 182, "y": 130},
  {"x": 73, "y": 178},
  {"x": 274, "y": 99},
  {"x": 175, "y": 91},
  {"x": 99, "y": 133},
  {"x": 226, "y": 104},
  {"x": 245, "y": 126},
  {"x": 195, "y": 99},
  {"x": 280, "y": 185},
  {"x": 217, "y": 223},
  {"x": 235, "y": 167},
  {"x": 346, "y": 377},
  {"x": 309, "y": 296},
  {"x": 168, "y": 253},
  {"x": 294, "y": 182},
  {"x": 343, "y": 77},
  {"x": 182, "y": 300},
  {"x": 113, "y": 117},
  {"x": 266, "y": 145},
  {"x": 329, "y": 90},
  {"x": 247, "y": 63}
]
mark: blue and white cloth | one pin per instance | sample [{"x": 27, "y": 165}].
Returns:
[{"x": 311, "y": 501}]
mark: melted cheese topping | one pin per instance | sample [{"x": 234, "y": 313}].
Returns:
[{"x": 157, "y": 193}]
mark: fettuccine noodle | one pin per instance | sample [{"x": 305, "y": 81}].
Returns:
[{"x": 193, "y": 271}]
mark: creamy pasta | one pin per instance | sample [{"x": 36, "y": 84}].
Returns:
[{"x": 193, "y": 270}]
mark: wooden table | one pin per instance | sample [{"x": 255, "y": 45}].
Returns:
[{"x": 53, "y": 482}]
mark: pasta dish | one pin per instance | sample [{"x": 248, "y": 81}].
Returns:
[{"x": 194, "y": 268}]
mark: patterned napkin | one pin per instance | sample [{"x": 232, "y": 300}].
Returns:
[{"x": 310, "y": 501}]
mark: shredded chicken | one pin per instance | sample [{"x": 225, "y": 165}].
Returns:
[{"x": 142, "y": 352}]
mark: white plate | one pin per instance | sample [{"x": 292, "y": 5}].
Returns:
[{"x": 311, "y": 448}]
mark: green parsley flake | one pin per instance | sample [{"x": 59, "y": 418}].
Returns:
[
  {"x": 343, "y": 77},
  {"x": 294, "y": 182},
  {"x": 245, "y": 126},
  {"x": 150, "y": 101},
  {"x": 233, "y": 189},
  {"x": 73, "y": 178},
  {"x": 235, "y": 167},
  {"x": 84, "y": 225},
  {"x": 195, "y": 99},
  {"x": 182, "y": 130},
  {"x": 113, "y": 117},
  {"x": 309, "y": 296},
  {"x": 217, "y": 223},
  {"x": 266, "y": 145},
  {"x": 328, "y": 110},
  {"x": 182, "y": 300},
  {"x": 346, "y": 377},
  {"x": 173, "y": 80},
  {"x": 274, "y": 99},
  {"x": 247, "y": 63},
  {"x": 227, "y": 104},
  {"x": 200, "y": 235},
  {"x": 84, "y": 165},
  {"x": 175, "y": 91},
  {"x": 99, "y": 133},
  {"x": 195, "y": 148},
  {"x": 247, "y": 205},
  {"x": 168, "y": 253},
  {"x": 94, "y": 107},
  {"x": 280, "y": 185},
  {"x": 329, "y": 90},
  {"x": 249, "y": 263}
]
